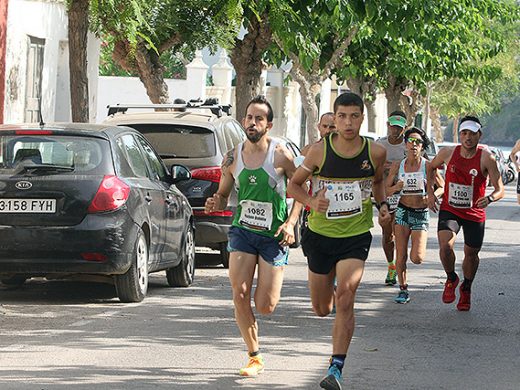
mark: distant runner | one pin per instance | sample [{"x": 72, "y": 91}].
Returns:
[
  {"x": 463, "y": 205},
  {"x": 412, "y": 218},
  {"x": 395, "y": 152}
]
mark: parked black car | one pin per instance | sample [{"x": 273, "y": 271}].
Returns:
[{"x": 91, "y": 199}]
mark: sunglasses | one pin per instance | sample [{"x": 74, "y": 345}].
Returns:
[{"x": 414, "y": 140}]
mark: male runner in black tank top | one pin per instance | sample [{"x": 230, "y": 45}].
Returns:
[{"x": 338, "y": 238}]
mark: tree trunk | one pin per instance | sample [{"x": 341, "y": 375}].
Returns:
[
  {"x": 310, "y": 87},
  {"x": 246, "y": 58},
  {"x": 371, "y": 115},
  {"x": 426, "y": 108},
  {"x": 411, "y": 106},
  {"x": 368, "y": 91},
  {"x": 456, "y": 129},
  {"x": 151, "y": 74},
  {"x": 436, "y": 124},
  {"x": 78, "y": 30},
  {"x": 393, "y": 93}
]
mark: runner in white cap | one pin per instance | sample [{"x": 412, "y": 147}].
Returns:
[{"x": 463, "y": 205}]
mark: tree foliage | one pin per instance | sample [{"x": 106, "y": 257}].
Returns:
[{"x": 143, "y": 31}]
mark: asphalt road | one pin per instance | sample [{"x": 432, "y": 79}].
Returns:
[{"x": 72, "y": 335}]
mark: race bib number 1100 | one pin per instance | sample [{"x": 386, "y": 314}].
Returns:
[{"x": 460, "y": 196}]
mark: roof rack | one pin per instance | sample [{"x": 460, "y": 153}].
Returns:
[{"x": 210, "y": 104}]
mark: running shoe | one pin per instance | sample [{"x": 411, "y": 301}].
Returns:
[
  {"x": 464, "y": 300},
  {"x": 402, "y": 297},
  {"x": 255, "y": 366},
  {"x": 333, "y": 379},
  {"x": 448, "y": 296},
  {"x": 391, "y": 276}
]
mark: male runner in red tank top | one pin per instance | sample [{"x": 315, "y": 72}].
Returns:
[{"x": 463, "y": 205}]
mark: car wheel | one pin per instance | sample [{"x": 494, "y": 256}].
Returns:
[
  {"x": 182, "y": 275},
  {"x": 15, "y": 280},
  {"x": 133, "y": 285},
  {"x": 224, "y": 254}
]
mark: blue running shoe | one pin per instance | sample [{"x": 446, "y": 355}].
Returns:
[
  {"x": 332, "y": 380},
  {"x": 402, "y": 297}
]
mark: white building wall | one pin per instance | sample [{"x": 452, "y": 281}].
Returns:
[
  {"x": 130, "y": 90},
  {"x": 45, "y": 20}
]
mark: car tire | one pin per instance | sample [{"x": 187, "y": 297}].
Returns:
[
  {"x": 224, "y": 254},
  {"x": 182, "y": 275},
  {"x": 14, "y": 281},
  {"x": 133, "y": 285}
]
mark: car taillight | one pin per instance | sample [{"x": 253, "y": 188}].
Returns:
[
  {"x": 111, "y": 194},
  {"x": 33, "y": 132},
  {"x": 201, "y": 213},
  {"x": 207, "y": 173}
]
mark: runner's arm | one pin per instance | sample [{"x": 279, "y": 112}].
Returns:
[
  {"x": 309, "y": 165},
  {"x": 378, "y": 186},
  {"x": 285, "y": 160},
  {"x": 219, "y": 200},
  {"x": 490, "y": 165},
  {"x": 391, "y": 187},
  {"x": 442, "y": 157}
]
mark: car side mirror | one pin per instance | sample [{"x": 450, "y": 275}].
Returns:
[{"x": 180, "y": 173}]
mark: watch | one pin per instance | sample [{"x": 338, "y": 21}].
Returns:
[
  {"x": 378, "y": 205},
  {"x": 490, "y": 199}
]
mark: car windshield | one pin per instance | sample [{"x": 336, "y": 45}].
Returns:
[
  {"x": 48, "y": 153},
  {"x": 178, "y": 140}
]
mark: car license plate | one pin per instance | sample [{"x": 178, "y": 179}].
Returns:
[{"x": 27, "y": 205}]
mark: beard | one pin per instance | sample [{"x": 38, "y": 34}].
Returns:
[{"x": 256, "y": 136}]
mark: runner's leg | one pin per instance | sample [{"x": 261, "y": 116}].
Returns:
[
  {"x": 241, "y": 273},
  {"x": 446, "y": 253},
  {"x": 418, "y": 251},
  {"x": 402, "y": 236},
  {"x": 268, "y": 286},
  {"x": 322, "y": 292},
  {"x": 348, "y": 274}
]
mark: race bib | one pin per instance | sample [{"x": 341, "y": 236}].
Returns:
[
  {"x": 460, "y": 196},
  {"x": 345, "y": 200},
  {"x": 393, "y": 201},
  {"x": 413, "y": 183},
  {"x": 256, "y": 215}
]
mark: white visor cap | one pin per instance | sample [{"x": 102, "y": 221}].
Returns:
[{"x": 470, "y": 125}]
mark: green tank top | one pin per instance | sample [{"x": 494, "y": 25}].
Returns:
[
  {"x": 349, "y": 187},
  {"x": 261, "y": 193}
]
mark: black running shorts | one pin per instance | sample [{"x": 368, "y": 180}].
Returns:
[
  {"x": 324, "y": 252},
  {"x": 473, "y": 231}
]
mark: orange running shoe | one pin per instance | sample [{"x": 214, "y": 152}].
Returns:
[
  {"x": 464, "y": 300},
  {"x": 448, "y": 296},
  {"x": 391, "y": 276},
  {"x": 255, "y": 366}
]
